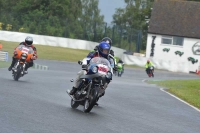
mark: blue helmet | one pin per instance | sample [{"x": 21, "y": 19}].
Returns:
[{"x": 104, "y": 49}]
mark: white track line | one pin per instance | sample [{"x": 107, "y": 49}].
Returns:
[
  {"x": 180, "y": 100},
  {"x": 144, "y": 80}
]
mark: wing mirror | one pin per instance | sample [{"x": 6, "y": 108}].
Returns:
[{"x": 80, "y": 62}]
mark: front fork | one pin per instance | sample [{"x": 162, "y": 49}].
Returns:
[{"x": 24, "y": 65}]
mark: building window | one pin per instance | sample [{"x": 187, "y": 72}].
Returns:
[
  {"x": 172, "y": 40},
  {"x": 166, "y": 40}
]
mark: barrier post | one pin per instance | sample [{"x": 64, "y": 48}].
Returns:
[
  {"x": 1, "y": 46},
  {"x": 6, "y": 56},
  {"x": 198, "y": 70},
  {"x": 3, "y": 56}
]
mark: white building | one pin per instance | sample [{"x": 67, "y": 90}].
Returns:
[{"x": 175, "y": 27}]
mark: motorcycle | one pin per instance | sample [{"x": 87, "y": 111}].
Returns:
[
  {"x": 120, "y": 69},
  {"x": 150, "y": 71},
  {"x": 23, "y": 55},
  {"x": 91, "y": 87}
]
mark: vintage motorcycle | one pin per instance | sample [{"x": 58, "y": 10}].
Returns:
[
  {"x": 23, "y": 55},
  {"x": 91, "y": 87},
  {"x": 150, "y": 71}
]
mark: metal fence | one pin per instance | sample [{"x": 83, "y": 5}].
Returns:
[
  {"x": 3, "y": 56},
  {"x": 40, "y": 67}
]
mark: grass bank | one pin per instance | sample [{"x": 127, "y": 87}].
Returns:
[
  {"x": 187, "y": 90},
  {"x": 4, "y": 64},
  {"x": 55, "y": 53}
]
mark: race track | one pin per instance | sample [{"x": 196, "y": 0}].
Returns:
[{"x": 38, "y": 103}]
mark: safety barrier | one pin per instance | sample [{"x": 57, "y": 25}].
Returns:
[
  {"x": 54, "y": 41},
  {"x": 3, "y": 56},
  {"x": 170, "y": 65},
  {"x": 40, "y": 67}
]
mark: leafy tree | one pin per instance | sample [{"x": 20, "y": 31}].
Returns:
[
  {"x": 91, "y": 20},
  {"x": 131, "y": 21}
]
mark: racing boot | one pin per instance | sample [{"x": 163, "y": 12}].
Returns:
[
  {"x": 73, "y": 91},
  {"x": 12, "y": 65},
  {"x": 96, "y": 104}
]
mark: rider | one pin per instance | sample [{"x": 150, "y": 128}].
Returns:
[
  {"x": 148, "y": 65},
  {"x": 28, "y": 43},
  {"x": 105, "y": 39},
  {"x": 103, "y": 51},
  {"x": 110, "y": 57},
  {"x": 113, "y": 61},
  {"x": 121, "y": 62}
]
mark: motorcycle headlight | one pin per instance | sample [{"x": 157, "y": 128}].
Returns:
[
  {"x": 24, "y": 56},
  {"x": 94, "y": 69},
  {"x": 109, "y": 75}
]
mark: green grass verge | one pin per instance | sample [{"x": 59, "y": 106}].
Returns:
[
  {"x": 50, "y": 52},
  {"x": 188, "y": 90},
  {"x": 4, "y": 64}
]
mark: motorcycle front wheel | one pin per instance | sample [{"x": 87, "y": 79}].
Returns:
[
  {"x": 18, "y": 73},
  {"x": 74, "y": 104},
  {"x": 90, "y": 102}
]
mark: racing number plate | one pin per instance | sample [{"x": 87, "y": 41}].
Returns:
[
  {"x": 102, "y": 69},
  {"x": 25, "y": 50}
]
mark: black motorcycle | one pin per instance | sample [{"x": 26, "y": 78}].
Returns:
[
  {"x": 91, "y": 88},
  {"x": 150, "y": 71}
]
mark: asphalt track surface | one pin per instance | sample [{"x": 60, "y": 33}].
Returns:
[{"x": 38, "y": 103}]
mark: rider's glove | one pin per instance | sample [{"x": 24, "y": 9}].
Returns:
[
  {"x": 33, "y": 58},
  {"x": 15, "y": 52}
]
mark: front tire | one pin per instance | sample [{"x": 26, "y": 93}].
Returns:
[
  {"x": 90, "y": 102},
  {"x": 18, "y": 73},
  {"x": 152, "y": 74},
  {"x": 74, "y": 104}
]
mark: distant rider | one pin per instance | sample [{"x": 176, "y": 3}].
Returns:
[
  {"x": 122, "y": 64},
  {"x": 28, "y": 43},
  {"x": 148, "y": 65}
]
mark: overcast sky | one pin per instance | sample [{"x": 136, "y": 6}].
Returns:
[{"x": 107, "y": 8}]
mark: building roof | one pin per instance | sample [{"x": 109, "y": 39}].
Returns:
[{"x": 176, "y": 18}]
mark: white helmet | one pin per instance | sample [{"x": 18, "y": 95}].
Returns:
[{"x": 29, "y": 40}]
